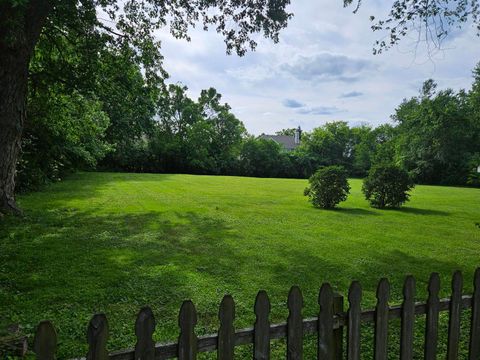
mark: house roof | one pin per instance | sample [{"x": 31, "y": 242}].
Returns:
[{"x": 288, "y": 142}]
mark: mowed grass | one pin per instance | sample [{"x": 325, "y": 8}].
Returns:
[{"x": 112, "y": 242}]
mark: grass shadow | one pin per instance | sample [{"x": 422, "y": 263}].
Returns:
[
  {"x": 66, "y": 265},
  {"x": 355, "y": 211},
  {"x": 419, "y": 211}
]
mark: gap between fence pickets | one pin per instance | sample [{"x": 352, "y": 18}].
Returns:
[{"x": 278, "y": 331}]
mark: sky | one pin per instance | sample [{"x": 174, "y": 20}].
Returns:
[{"x": 322, "y": 69}]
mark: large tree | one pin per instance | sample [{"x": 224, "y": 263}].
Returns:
[
  {"x": 436, "y": 135},
  {"x": 129, "y": 24}
]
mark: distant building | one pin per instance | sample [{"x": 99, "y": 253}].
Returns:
[{"x": 289, "y": 142}]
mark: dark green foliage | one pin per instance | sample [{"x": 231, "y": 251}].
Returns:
[
  {"x": 327, "y": 145},
  {"x": 63, "y": 133},
  {"x": 328, "y": 187},
  {"x": 436, "y": 136},
  {"x": 473, "y": 178},
  {"x": 264, "y": 158},
  {"x": 387, "y": 185}
]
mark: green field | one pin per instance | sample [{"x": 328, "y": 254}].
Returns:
[{"x": 115, "y": 242}]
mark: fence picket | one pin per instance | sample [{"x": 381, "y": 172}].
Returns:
[
  {"x": 226, "y": 331},
  {"x": 97, "y": 336},
  {"x": 474, "y": 351},
  {"x": 187, "y": 341},
  {"x": 329, "y": 326},
  {"x": 431, "y": 325},
  {"x": 407, "y": 319},
  {"x": 295, "y": 325},
  {"x": 354, "y": 314},
  {"x": 261, "y": 344},
  {"x": 45, "y": 341},
  {"x": 381, "y": 320},
  {"x": 455, "y": 313},
  {"x": 144, "y": 328},
  {"x": 325, "y": 348}
]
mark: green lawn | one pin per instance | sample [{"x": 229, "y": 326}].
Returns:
[{"x": 103, "y": 242}]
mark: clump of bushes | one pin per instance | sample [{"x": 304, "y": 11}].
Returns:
[
  {"x": 387, "y": 185},
  {"x": 328, "y": 186}
]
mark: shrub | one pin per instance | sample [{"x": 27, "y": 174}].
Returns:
[
  {"x": 328, "y": 186},
  {"x": 387, "y": 185}
]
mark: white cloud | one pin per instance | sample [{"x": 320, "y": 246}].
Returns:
[
  {"x": 328, "y": 67},
  {"x": 323, "y": 59}
]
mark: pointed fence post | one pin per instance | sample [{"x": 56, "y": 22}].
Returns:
[
  {"x": 433, "y": 309},
  {"x": 455, "y": 313},
  {"x": 187, "y": 341},
  {"x": 144, "y": 329},
  {"x": 295, "y": 325},
  {"x": 354, "y": 313},
  {"x": 97, "y": 336},
  {"x": 226, "y": 332},
  {"x": 45, "y": 341},
  {"x": 381, "y": 320},
  {"x": 325, "y": 348},
  {"x": 261, "y": 345},
  {"x": 408, "y": 319}
]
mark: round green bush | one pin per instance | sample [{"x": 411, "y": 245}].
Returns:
[
  {"x": 328, "y": 186},
  {"x": 387, "y": 185}
]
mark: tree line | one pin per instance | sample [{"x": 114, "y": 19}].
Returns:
[
  {"x": 118, "y": 120},
  {"x": 74, "y": 46}
]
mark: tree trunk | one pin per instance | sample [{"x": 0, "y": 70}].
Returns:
[
  {"x": 13, "y": 93},
  {"x": 20, "y": 28}
]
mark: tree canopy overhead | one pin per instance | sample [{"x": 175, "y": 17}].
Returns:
[
  {"x": 88, "y": 27},
  {"x": 427, "y": 21}
]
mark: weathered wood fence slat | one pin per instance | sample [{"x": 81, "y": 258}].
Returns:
[
  {"x": 328, "y": 326},
  {"x": 381, "y": 320},
  {"x": 261, "y": 345},
  {"x": 354, "y": 319},
  {"x": 295, "y": 325},
  {"x": 144, "y": 328},
  {"x": 433, "y": 310},
  {"x": 226, "y": 331},
  {"x": 326, "y": 348},
  {"x": 454, "y": 318},
  {"x": 407, "y": 319}
]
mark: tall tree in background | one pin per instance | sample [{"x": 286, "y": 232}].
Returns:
[
  {"x": 22, "y": 22},
  {"x": 329, "y": 144},
  {"x": 436, "y": 135}
]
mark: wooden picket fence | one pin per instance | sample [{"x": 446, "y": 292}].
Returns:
[{"x": 328, "y": 326}]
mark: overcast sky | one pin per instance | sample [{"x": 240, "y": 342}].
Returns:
[{"x": 322, "y": 69}]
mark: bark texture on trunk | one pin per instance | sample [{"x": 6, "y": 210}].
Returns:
[
  {"x": 20, "y": 29},
  {"x": 13, "y": 93}
]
